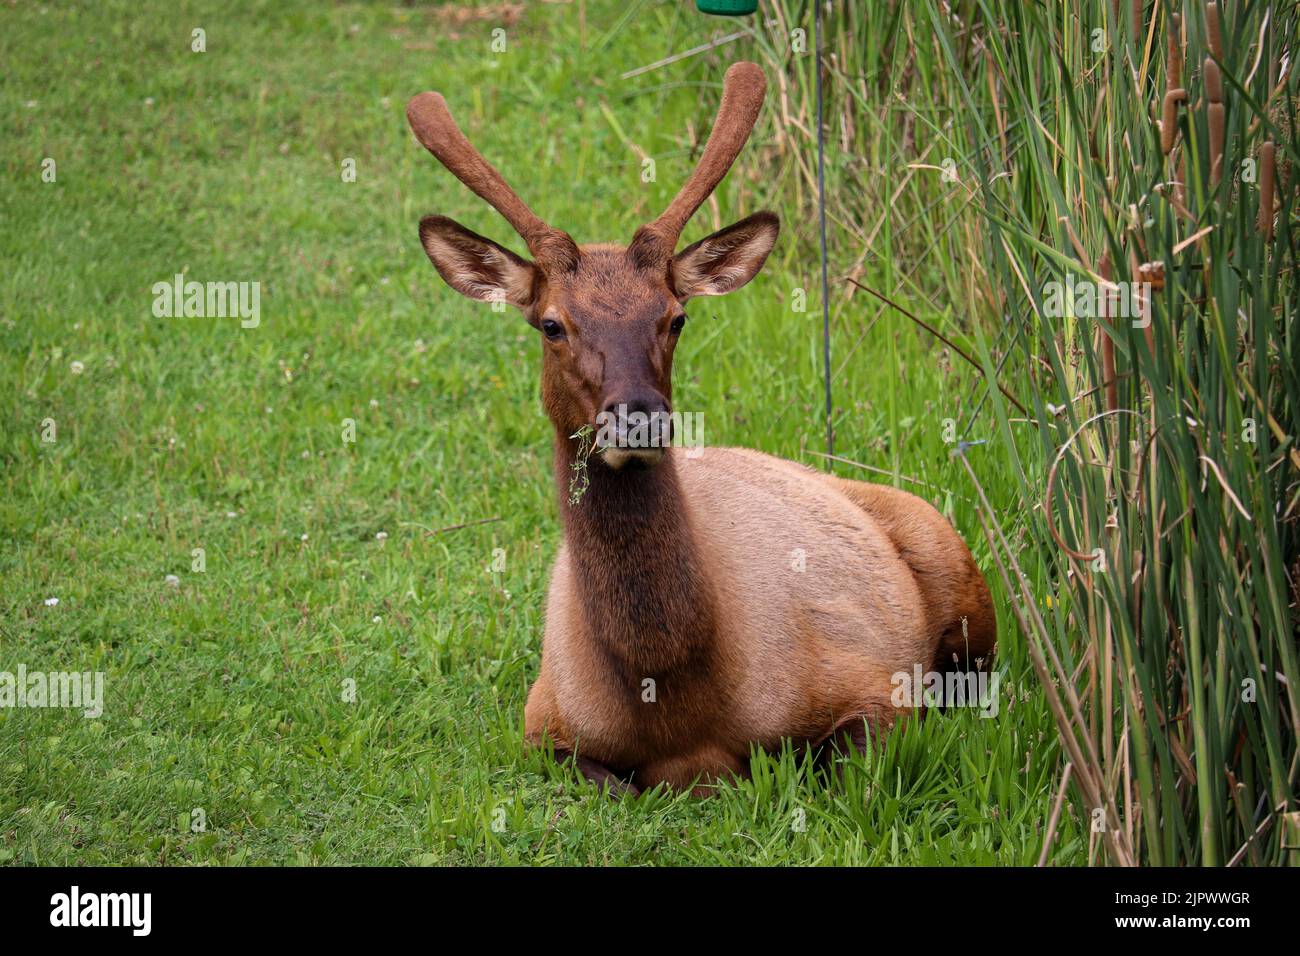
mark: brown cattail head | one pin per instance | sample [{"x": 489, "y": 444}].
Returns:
[
  {"x": 1213, "y": 30},
  {"x": 1152, "y": 274},
  {"x": 1213, "y": 81},
  {"x": 1215, "y": 115},
  {"x": 1267, "y": 171},
  {"x": 1169, "y": 119},
  {"x": 434, "y": 127},
  {"x": 743, "y": 89}
]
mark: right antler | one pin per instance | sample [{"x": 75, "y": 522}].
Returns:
[
  {"x": 743, "y": 89},
  {"x": 429, "y": 117}
]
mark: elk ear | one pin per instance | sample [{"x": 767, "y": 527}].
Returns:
[
  {"x": 726, "y": 260},
  {"x": 476, "y": 266}
]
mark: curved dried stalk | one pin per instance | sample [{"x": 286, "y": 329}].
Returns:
[{"x": 1051, "y": 480}]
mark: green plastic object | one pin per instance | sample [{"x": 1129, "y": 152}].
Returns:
[{"x": 727, "y": 8}]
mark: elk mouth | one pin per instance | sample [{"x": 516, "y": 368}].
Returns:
[
  {"x": 634, "y": 438},
  {"x": 619, "y": 458}
]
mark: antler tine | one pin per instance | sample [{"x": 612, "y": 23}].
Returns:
[
  {"x": 438, "y": 133},
  {"x": 743, "y": 89}
]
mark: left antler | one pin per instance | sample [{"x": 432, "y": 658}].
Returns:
[
  {"x": 743, "y": 89},
  {"x": 438, "y": 133}
]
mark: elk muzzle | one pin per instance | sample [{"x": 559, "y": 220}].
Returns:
[{"x": 634, "y": 428}]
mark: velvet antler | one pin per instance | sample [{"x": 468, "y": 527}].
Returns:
[
  {"x": 743, "y": 89},
  {"x": 434, "y": 127}
]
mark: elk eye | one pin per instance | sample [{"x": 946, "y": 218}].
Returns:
[
  {"x": 678, "y": 323},
  {"x": 552, "y": 330}
]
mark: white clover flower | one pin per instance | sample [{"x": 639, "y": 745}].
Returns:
[
  {"x": 77, "y": 368},
  {"x": 172, "y": 581},
  {"x": 51, "y": 602}
]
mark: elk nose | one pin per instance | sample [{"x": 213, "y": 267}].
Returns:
[
  {"x": 647, "y": 403},
  {"x": 640, "y": 420}
]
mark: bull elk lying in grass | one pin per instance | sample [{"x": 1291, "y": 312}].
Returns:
[{"x": 678, "y": 569}]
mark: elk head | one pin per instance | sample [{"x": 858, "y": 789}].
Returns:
[{"x": 609, "y": 315}]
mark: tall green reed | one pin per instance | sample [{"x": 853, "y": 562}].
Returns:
[{"x": 1100, "y": 199}]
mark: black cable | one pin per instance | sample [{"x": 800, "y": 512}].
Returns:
[{"x": 821, "y": 211}]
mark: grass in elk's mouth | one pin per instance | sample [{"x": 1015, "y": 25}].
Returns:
[{"x": 580, "y": 481}]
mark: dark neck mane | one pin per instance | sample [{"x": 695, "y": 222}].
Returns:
[{"x": 637, "y": 569}]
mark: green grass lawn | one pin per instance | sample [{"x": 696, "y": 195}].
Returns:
[{"x": 325, "y": 563}]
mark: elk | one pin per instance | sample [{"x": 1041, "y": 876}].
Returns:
[{"x": 680, "y": 632}]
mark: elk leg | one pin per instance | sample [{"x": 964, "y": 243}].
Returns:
[
  {"x": 541, "y": 723},
  {"x": 858, "y": 731},
  {"x": 697, "y": 771},
  {"x": 598, "y": 773}
]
